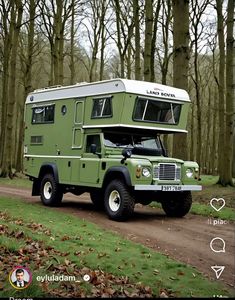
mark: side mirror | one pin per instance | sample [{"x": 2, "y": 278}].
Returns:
[
  {"x": 93, "y": 148},
  {"x": 126, "y": 153}
]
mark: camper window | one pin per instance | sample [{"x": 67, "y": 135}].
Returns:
[
  {"x": 156, "y": 111},
  {"x": 43, "y": 114},
  {"x": 102, "y": 108}
]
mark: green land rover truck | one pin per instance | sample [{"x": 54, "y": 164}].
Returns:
[{"x": 104, "y": 138}]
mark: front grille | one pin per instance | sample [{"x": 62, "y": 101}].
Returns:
[{"x": 167, "y": 172}]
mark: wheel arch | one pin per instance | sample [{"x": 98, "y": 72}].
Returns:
[
  {"x": 115, "y": 173},
  {"x": 45, "y": 168}
]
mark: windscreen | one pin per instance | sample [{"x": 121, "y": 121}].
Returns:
[{"x": 132, "y": 141}]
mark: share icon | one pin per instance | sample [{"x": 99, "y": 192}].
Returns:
[{"x": 218, "y": 270}]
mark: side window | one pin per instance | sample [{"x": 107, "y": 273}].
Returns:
[
  {"x": 156, "y": 111},
  {"x": 93, "y": 139},
  {"x": 102, "y": 108},
  {"x": 43, "y": 114}
]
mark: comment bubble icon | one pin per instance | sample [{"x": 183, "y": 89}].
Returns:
[{"x": 217, "y": 244}]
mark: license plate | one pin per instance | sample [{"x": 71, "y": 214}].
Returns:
[{"x": 171, "y": 188}]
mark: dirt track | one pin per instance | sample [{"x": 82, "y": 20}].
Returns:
[{"x": 187, "y": 239}]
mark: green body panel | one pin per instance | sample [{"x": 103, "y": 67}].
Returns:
[{"x": 122, "y": 114}]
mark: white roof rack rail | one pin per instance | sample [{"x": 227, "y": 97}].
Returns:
[{"x": 48, "y": 87}]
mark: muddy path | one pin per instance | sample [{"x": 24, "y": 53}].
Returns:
[{"x": 186, "y": 240}]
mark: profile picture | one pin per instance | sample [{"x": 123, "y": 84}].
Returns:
[{"x": 20, "y": 277}]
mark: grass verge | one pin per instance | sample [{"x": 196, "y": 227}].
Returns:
[{"x": 16, "y": 182}]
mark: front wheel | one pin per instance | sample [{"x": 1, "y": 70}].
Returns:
[
  {"x": 177, "y": 204},
  {"x": 50, "y": 191},
  {"x": 118, "y": 201}
]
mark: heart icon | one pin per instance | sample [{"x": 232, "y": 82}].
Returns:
[{"x": 217, "y": 203}]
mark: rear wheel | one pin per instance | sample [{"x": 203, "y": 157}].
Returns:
[
  {"x": 177, "y": 204},
  {"x": 118, "y": 201},
  {"x": 50, "y": 191}
]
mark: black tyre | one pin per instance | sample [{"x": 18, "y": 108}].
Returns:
[
  {"x": 97, "y": 198},
  {"x": 177, "y": 204},
  {"x": 118, "y": 201},
  {"x": 50, "y": 191}
]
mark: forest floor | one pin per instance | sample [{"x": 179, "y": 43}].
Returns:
[{"x": 186, "y": 240}]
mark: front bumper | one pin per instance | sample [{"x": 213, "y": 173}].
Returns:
[{"x": 167, "y": 188}]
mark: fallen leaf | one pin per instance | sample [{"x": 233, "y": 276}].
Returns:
[{"x": 65, "y": 238}]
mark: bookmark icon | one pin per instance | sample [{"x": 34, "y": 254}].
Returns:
[{"x": 218, "y": 270}]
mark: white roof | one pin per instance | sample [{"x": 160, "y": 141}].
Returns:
[{"x": 143, "y": 88}]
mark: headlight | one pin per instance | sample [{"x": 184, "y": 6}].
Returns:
[
  {"x": 189, "y": 173},
  {"x": 146, "y": 172}
]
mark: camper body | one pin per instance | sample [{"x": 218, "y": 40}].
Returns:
[{"x": 104, "y": 138}]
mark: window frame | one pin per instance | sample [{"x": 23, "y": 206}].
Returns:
[
  {"x": 43, "y": 106},
  {"x": 103, "y": 107},
  {"x": 146, "y": 104}
]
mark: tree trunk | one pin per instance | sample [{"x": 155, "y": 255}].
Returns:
[
  {"x": 192, "y": 131},
  {"x": 233, "y": 168},
  {"x": 27, "y": 79},
  {"x": 4, "y": 97},
  {"x": 153, "y": 43},
  {"x": 180, "y": 63},
  {"x": 136, "y": 9},
  {"x": 119, "y": 42},
  {"x": 102, "y": 51},
  {"x": 214, "y": 156},
  {"x": 58, "y": 34},
  {"x": 71, "y": 65},
  {"x": 148, "y": 39},
  {"x": 9, "y": 140},
  {"x": 208, "y": 134},
  {"x": 198, "y": 102},
  {"x": 221, "y": 86},
  {"x": 128, "y": 62},
  {"x": 102, "y": 48},
  {"x": 228, "y": 146}
]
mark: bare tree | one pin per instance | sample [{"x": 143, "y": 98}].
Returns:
[
  {"x": 230, "y": 112},
  {"x": 163, "y": 52},
  {"x": 125, "y": 27},
  {"x": 148, "y": 39},
  {"x": 221, "y": 89},
  {"x": 180, "y": 62},
  {"x": 55, "y": 14},
  {"x": 136, "y": 16},
  {"x": 197, "y": 10},
  {"x": 12, "y": 32},
  {"x": 27, "y": 53},
  {"x": 99, "y": 9}
]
